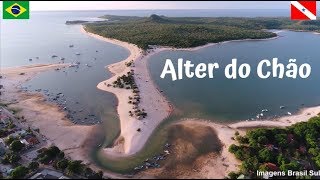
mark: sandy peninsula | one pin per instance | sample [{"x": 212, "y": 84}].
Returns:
[{"x": 131, "y": 141}]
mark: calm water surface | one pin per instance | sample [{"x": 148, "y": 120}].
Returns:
[{"x": 222, "y": 99}]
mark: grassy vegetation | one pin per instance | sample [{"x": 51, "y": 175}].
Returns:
[
  {"x": 294, "y": 148},
  {"x": 183, "y": 32}
]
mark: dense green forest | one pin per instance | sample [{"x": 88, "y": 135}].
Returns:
[
  {"x": 294, "y": 148},
  {"x": 182, "y": 32}
]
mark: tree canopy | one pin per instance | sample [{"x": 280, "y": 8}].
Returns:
[
  {"x": 183, "y": 32},
  {"x": 16, "y": 146},
  {"x": 19, "y": 172},
  {"x": 293, "y": 148}
]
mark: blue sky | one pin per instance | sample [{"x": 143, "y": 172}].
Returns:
[{"x": 114, "y": 5}]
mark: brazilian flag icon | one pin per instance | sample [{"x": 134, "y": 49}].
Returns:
[{"x": 15, "y": 10}]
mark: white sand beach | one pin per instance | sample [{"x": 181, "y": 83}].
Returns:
[
  {"x": 284, "y": 121},
  {"x": 33, "y": 69}
]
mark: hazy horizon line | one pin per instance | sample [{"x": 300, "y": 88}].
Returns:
[{"x": 150, "y": 9}]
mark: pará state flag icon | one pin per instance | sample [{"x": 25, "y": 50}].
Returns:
[{"x": 303, "y": 10}]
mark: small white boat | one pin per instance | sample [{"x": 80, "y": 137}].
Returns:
[
  {"x": 73, "y": 65},
  {"x": 282, "y": 107},
  {"x": 264, "y": 110},
  {"x": 289, "y": 113}
]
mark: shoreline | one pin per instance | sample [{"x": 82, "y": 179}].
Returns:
[
  {"x": 301, "y": 116},
  {"x": 158, "y": 49},
  {"x": 33, "y": 69},
  {"x": 39, "y": 113}
]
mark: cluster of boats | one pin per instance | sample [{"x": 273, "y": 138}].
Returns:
[
  {"x": 155, "y": 160},
  {"x": 75, "y": 64},
  {"x": 76, "y": 115},
  {"x": 263, "y": 111},
  {"x": 30, "y": 59},
  {"x": 62, "y": 59},
  {"x": 73, "y": 115}
]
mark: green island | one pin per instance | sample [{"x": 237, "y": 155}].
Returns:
[
  {"x": 184, "y": 32},
  {"x": 293, "y": 148}
]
